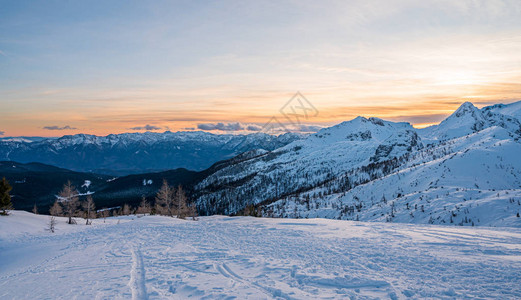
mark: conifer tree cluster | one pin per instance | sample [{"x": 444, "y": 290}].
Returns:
[{"x": 5, "y": 198}]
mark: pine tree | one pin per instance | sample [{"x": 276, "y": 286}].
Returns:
[
  {"x": 5, "y": 198},
  {"x": 90, "y": 209},
  {"x": 165, "y": 200},
  {"x": 69, "y": 198}
]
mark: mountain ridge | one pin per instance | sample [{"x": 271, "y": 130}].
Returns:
[
  {"x": 129, "y": 153},
  {"x": 311, "y": 177},
  {"x": 463, "y": 171}
]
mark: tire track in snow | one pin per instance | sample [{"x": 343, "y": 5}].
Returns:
[{"x": 137, "y": 276}]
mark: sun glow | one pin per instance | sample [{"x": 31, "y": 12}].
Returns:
[{"x": 121, "y": 72}]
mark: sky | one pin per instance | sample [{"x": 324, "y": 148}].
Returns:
[{"x": 102, "y": 67}]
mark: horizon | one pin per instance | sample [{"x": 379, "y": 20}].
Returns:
[
  {"x": 246, "y": 132},
  {"x": 100, "y": 68}
]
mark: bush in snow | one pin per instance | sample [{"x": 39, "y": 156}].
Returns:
[{"x": 52, "y": 224}]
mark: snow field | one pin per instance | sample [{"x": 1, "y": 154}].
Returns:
[{"x": 248, "y": 258}]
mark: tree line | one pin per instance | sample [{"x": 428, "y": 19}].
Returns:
[{"x": 169, "y": 201}]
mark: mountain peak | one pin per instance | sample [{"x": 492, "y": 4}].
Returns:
[
  {"x": 465, "y": 120},
  {"x": 466, "y": 108}
]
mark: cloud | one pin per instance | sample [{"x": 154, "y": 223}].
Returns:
[
  {"x": 308, "y": 128},
  {"x": 420, "y": 119},
  {"x": 2, "y": 132},
  {"x": 253, "y": 128},
  {"x": 221, "y": 126},
  {"x": 54, "y": 127},
  {"x": 189, "y": 128},
  {"x": 278, "y": 128},
  {"x": 146, "y": 127}
]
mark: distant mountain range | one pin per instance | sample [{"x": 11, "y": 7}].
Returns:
[
  {"x": 132, "y": 153},
  {"x": 464, "y": 171}
]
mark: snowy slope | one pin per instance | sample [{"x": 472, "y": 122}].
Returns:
[
  {"x": 473, "y": 180},
  {"x": 305, "y": 163},
  {"x": 248, "y": 258},
  {"x": 464, "y": 171},
  {"x": 468, "y": 119},
  {"x": 512, "y": 109}
]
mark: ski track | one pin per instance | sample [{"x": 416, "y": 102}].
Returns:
[
  {"x": 248, "y": 258},
  {"x": 137, "y": 276}
]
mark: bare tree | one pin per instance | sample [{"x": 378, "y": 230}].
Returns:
[
  {"x": 165, "y": 200},
  {"x": 90, "y": 209},
  {"x": 192, "y": 212},
  {"x": 69, "y": 197},
  {"x": 104, "y": 214},
  {"x": 52, "y": 224},
  {"x": 126, "y": 210},
  {"x": 35, "y": 209},
  {"x": 56, "y": 209},
  {"x": 180, "y": 203},
  {"x": 144, "y": 207}
]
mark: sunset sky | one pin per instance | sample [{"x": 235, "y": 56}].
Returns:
[{"x": 103, "y": 67}]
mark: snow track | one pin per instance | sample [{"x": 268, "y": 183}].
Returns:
[
  {"x": 137, "y": 276},
  {"x": 248, "y": 258}
]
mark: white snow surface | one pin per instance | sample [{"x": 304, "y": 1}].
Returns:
[
  {"x": 254, "y": 258},
  {"x": 465, "y": 171},
  {"x": 468, "y": 119},
  {"x": 444, "y": 184}
]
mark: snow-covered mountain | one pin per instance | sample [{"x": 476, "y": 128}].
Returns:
[
  {"x": 306, "y": 163},
  {"x": 468, "y": 119},
  {"x": 465, "y": 171},
  {"x": 472, "y": 180},
  {"x": 138, "y": 152},
  {"x": 512, "y": 109}
]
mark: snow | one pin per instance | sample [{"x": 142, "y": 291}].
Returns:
[
  {"x": 254, "y": 258},
  {"x": 310, "y": 161},
  {"x": 441, "y": 184},
  {"x": 512, "y": 109},
  {"x": 468, "y": 119},
  {"x": 464, "y": 171}
]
